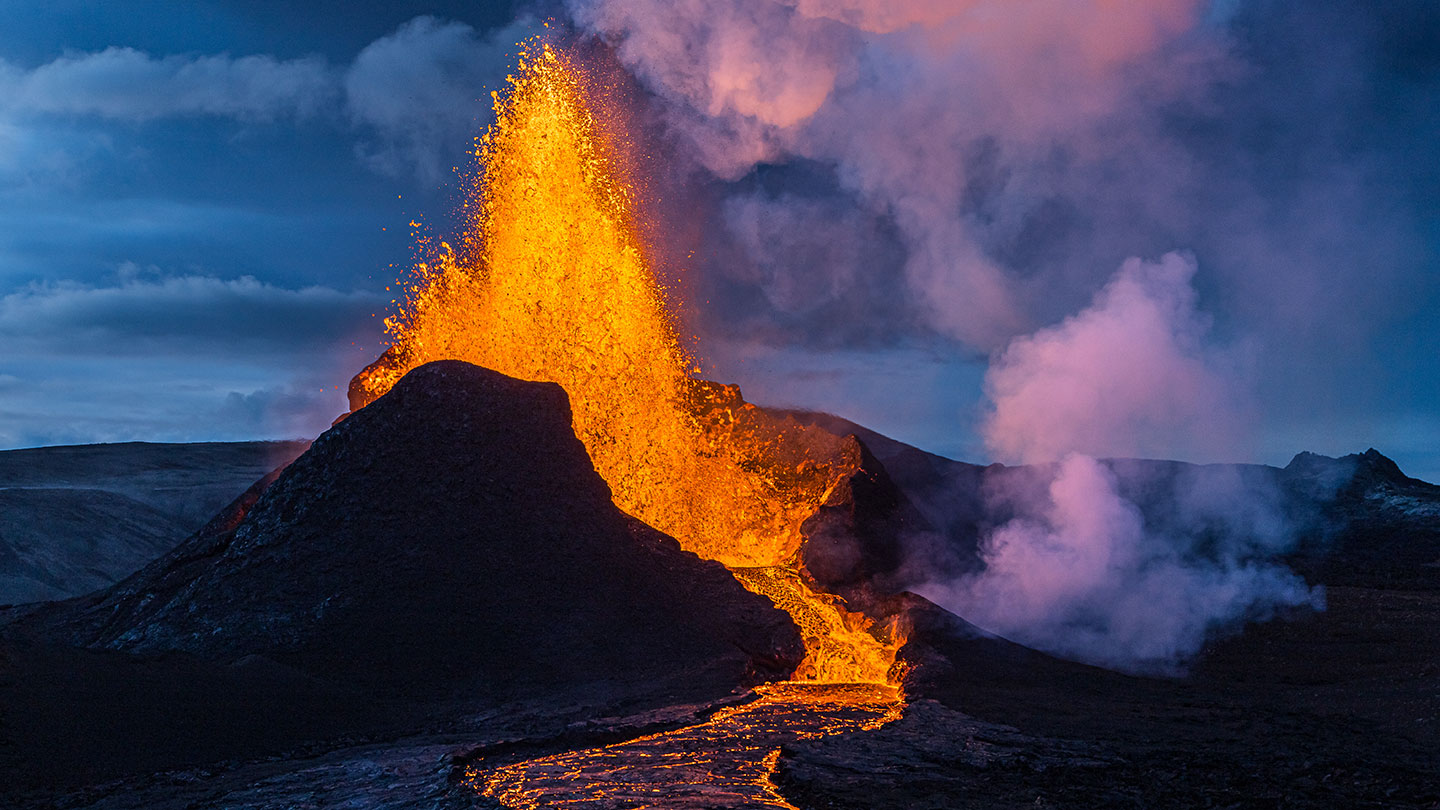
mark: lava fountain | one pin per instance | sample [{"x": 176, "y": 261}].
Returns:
[{"x": 551, "y": 282}]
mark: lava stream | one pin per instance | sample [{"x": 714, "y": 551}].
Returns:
[{"x": 726, "y": 762}]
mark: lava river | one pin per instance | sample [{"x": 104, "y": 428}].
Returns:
[{"x": 725, "y": 762}]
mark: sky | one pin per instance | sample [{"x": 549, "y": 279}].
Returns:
[{"x": 999, "y": 231}]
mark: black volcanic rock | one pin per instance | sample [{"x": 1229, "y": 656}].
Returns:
[
  {"x": 854, "y": 543},
  {"x": 1370, "y": 524},
  {"x": 1323, "y": 477},
  {"x": 451, "y": 541},
  {"x": 945, "y": 500},
  {"x": 453, "y": 530}
]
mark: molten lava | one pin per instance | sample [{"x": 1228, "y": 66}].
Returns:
[
  {"x": 551, "y": 282},
  {"x": 726, "y": 761}
]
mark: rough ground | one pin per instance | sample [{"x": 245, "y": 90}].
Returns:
[{"x": 1335, "y": 709}]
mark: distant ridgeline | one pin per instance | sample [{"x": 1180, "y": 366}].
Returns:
[{"x": 77, "y": 518}]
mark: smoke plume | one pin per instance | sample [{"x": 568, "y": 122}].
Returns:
[
  {"x": 991, "y": 162},
  {"x": 966, "y": 176},
  {"x": 1132, "y": 375},
  {"x": 1082, "y": 569},
  {"x": 909, "y": 101},
  {"x": 1079, "y": 574}
]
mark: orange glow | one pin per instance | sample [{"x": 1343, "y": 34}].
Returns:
[
  {"x": 728, "y": 760},
  {"x": 551, "y": 282}
]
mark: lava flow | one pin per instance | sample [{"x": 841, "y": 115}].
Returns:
[
  {"x": 551, "y": 282},
  {"x": 727, "y": 761}
]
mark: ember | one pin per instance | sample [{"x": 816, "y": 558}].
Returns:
[{"x": 551, "y": 282}]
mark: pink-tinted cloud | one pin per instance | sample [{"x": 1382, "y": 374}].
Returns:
[
  {"x": 1132, "y": 375},
  {"x": 1080, "y": 576},
  {"x": 894, "y": 95},
  {"x": 1079, "y": 571}
]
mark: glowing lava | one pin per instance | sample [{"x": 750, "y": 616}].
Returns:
[
  {"x": 727, "y": 761},
  {"x": 552, "y": 283}
]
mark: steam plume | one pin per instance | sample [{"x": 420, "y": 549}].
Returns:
[
  {"x": 1129, "y": 376},
  {"x": 1016, "y": 153},
  {"x": 899, "y": 96},
  {"x": 1079, "y": 570},
  {"x": 1000, "y": 158}
]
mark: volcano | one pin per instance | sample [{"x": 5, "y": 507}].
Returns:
[
  {"x": 447, "y": 550},
  {"x": 544, "y": 562}
]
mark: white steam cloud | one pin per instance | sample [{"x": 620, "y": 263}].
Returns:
[
  {"x": 1132, "y": 375},
  {"x": 1078, "y": 571},
  {"x": 1083, "y": 578}
]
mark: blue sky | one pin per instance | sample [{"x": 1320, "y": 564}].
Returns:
[
  {"x": 201, "y": 206},
  {"x": 199, "y": 217}
]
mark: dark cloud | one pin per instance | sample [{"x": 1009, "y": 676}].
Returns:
[
  {"x": 176, "y": 358},
  {"x": 424, "y": 92},
  {"x": 126, "y": 84},
  {"x": 183, "y": 315},
  {"x": 419, "y": 94}
]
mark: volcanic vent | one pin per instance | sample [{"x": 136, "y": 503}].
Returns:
[{"x": 551, "y": 282}]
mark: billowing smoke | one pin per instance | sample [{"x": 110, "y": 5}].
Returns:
[
  {"x": 1080, "y": 574},
  {"x": 983, "y": 166},
  {"x": 969, "y": 175},
  {"x": 1132, "y": 375},
  {"x": 917, "y": 104},
  {"x": 1135, "y": 576},
  {"x": 1124, "y": 563}
]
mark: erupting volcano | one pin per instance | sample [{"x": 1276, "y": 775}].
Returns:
[
  {"x": 551, "y": 282},
  {"x": 1083, "y": 275}
]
